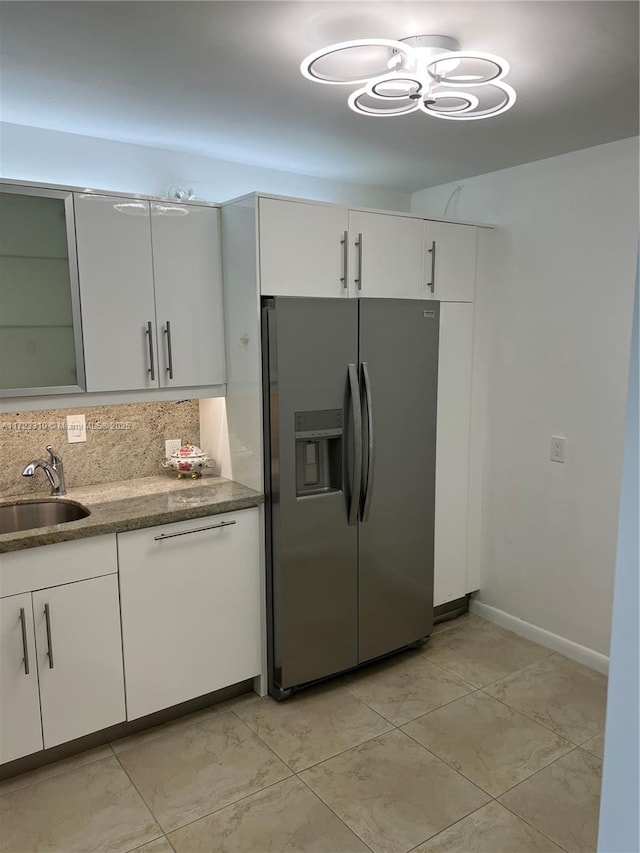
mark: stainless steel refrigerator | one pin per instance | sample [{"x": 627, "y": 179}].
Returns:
[{"x": 350, "y": 390}]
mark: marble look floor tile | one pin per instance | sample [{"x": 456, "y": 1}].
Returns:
[
  {"x": 160, "y": 845},
  {"x": 489, "y": 743},
  {"x": 192, "y": 772},
  {"x": 595, "y": 746},
  {"x": 562, "y": 801},
  {"x": 312, "y": 725},
  {"x": 559, "y": 693},
  {"x": 405, "y": 688},
  {"x": 286, "y": 816},
  {"x": 55, "y": 768},
  {"x": 480, "y": 652},
  {"x": 492, "y": 829},
  {"x": 90, "y": 808},
  {"x": 176, "y": 725},
  {"x": 392, "y": 792}
]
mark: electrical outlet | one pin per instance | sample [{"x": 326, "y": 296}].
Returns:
[
  {"x": 172, "y": 445},
  {"x": 558, "y": 448},
  {"x": 76, "y": 429}
]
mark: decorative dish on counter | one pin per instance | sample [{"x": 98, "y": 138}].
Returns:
[{"x": 189, "y": 459}]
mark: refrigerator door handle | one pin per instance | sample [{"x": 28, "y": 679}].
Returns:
[
  {"x": 371, "y": 455},
  {"x": 356, "y": 413}
]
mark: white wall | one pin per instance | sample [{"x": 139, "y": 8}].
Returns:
[
  {"x": 560, "y": 308},
  {"x": 619, "y": 824},
  {"x": 49, "y": 156}
]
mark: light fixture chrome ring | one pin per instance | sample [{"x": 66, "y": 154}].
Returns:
[
  {"x": 508, "y": 100},
  {"x": 469, "y": 102},
  {"x": 308, "y": 69},
  {"x": 500, "y": 68},
  {"x": 373, "y": 88},
  {"x": 353, "y": 102}
]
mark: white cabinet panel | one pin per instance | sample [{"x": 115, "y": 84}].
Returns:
[
  {"x": 452, "y": 450},
  {"x": 449, "y": 261},
  {"x": 301, "y": 249},
  {"x": 20, "y": 729},
  {"x": 79, "y": 658},
  {"x": 188, "y": 290},
  {"x": 116, "y": 290},
  {"x": 62, "y": 562},
  {"x": 190, "y": 608},
  {"x": 386, "y": 255}
]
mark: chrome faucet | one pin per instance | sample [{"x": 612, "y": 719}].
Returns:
[{"x": 53, "y": 469}]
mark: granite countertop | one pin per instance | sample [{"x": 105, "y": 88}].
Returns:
[{"x": 134, "y": 504}]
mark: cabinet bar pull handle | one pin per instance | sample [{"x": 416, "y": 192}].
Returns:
[
  {"x": 356, "y": 413},
  {"x": 152, "y": 366},
  {"x": 47, "y": 616},
  {"x": 195, "y": 530},
  {"x": 167, "y": 332},
  {"x": 25, "y": 649},
  {"x": 345, "y": 253},
  {"x": 432, "y": 251},
  {"x": 371, "y": 449},
  {"x": 358, "y": 280}
]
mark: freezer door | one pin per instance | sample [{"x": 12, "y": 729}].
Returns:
[
  {"x": 311, "y": 549},
  {"x": 399, "y": 357}
]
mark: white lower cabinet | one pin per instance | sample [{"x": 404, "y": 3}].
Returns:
[
  {"x": 20, "y": 729},
  {"x": 61, "y": 674},
  {"x": 79, "y": 658},
  {"x": 190, "y": 603}
]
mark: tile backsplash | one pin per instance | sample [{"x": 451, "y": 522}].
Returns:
[{"x": 123, "y": 442}]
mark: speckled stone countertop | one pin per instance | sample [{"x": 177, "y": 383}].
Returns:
[{"x": 133, "y": 504}]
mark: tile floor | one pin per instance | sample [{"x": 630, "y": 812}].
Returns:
[{"x": 479, "y": 742}]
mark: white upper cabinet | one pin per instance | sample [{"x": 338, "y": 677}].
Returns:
[
  {"x": 311, "y": 249},
  {"x": 151, "y": 293},
  {"x": 385, "y": 255},
  {"x": 449, "y": 262},
  {"x": 40, "y": 329},
  {"x": 116, "y": 291},
  {"x": 187, "y": 272},
  {"x": 302, "y": 248}
]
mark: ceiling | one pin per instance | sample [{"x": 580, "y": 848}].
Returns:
[{"x": 221, "y": 79}]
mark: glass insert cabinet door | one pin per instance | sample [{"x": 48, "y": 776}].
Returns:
[{"x": 40, "y": 327}]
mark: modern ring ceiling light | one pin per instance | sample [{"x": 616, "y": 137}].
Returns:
[{"x": 423, "y": 73}]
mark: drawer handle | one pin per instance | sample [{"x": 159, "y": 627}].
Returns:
[
  {"x": 195, "y": 530},
  {"x": 47, "y": 616},
  {"x": 23, "y": 623}
]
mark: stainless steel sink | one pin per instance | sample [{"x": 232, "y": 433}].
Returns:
[{"x": 25, "y": 515}]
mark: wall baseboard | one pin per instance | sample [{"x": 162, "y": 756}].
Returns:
[{"x": 581, "y": 654}]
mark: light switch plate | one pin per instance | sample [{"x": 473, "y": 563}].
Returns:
[
  {"x": 76, "y": 429},
  {"x": 171, "y": 445}
]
